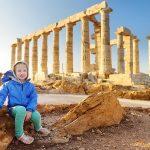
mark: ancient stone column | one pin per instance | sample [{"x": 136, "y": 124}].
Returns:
[
  {"x": 121, "y": 68},
  {"x": 128, "y": 54},
  {"x": 13, "y": 55},
  {"x": 69, "y": 48},
  {"x": 97, "y": 34},
  {"x": 26, "y": 51},
  {"x": 105, "y": 66},
  {"x": 19, "y": 49},
  {"x": 44, "y": 54},
  {"x": 56, "y": 51},
  {"x": 135, "y": 55},
  {"x": 149, "y": 51},
  {"x": 35, "y": 57},
  {"x": 85, "y": 46}
]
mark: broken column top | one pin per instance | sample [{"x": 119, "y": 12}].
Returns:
[
  {"x": 123, "y": 30},
  {"x": 135, "y": 38}
]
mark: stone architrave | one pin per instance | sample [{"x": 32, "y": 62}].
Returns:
[
  {"x": 97, "y": 30},
  {"x": 13, "y": 55},
  {"x": 135, "y": 55},
  {"x": 26, "y": 51},
  {"x": 19, "y": 49},
  {"x": 56, "y": 51},
  {"x": 44, "y": 54},
  {"x": 121, "y": 68},
  {"x": 35, "y": 57},
  {"x": 149, "y": 51},
  {"x": 105, "y": 66},
  {"x": 69, "y": 48},
  {"x": 128, "y": 44},
  {"x": 85, "y": 46}
]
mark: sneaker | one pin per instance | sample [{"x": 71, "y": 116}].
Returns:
[
  {"x": 26, "y": 139},
  {"x": 44, "y": 131}
]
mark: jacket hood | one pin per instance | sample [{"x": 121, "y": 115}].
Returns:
[{"x": 10, "y": 75}]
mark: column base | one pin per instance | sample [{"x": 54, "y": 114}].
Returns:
[
  {"x": 40, "y": 76},
  {"x": 105, "y": 74}
]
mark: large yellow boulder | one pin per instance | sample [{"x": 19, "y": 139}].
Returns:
[{"x": 98, "y": 110}]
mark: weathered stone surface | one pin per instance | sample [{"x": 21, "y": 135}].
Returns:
[
  {"x": 130, "y": 79},
  {"x": 142, "y": 95},
  {"x": 94, "y": 88},
  {"x": 70, "y": 87},
  {"x": 57, "y": 84},
  {"x": 6, "y": 129},
  {"x": 92, "y": 78},
  {"x": 98, "y": 110}
]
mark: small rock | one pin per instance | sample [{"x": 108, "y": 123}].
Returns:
[
  {"x": 82, "y": 148},
  {"x": 79, "y": 138},
  {"x": 60, "y": 140}
]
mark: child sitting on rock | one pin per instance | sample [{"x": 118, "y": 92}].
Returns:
[{"x": 22, "y": 101}]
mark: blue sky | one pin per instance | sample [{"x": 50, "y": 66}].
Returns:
[{"x": 19, "y": 18}]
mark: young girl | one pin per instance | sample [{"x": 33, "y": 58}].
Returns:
[{"x": 22, "y": 101}]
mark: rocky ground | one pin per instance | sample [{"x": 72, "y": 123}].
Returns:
[
  {"x": 70, "y": 85},
  {"x": 133, "y": 133}
]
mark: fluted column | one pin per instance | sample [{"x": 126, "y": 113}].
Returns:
[
  {"x": 97, "y": 34},
  {"x": 135, "y": 55},
  {"x": 69, "y": 48},
  {"x": 56, "y": 52},
  {"x": 148, "y": 37},
  {"x": 44, "y": 54},
  {"x": 85, "y": 46},
  {"x": 19, "y": 49},
  {"x": 35, "y": 57},
  {"x": 13, "y": 54},
  {"x": 128, "y": 54},
  {"x": 105, "y": 66},
  {"x": 120, "y": 53},
  {"x": 26, "y": 51}
]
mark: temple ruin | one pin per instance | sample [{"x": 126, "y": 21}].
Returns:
[
  {"x": 127, "y": 45},
  {"x": 149, "y": 51}
]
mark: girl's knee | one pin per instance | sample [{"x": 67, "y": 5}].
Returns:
[
  {"x": 36, "y": 115},
  {"x": 20, "y": 109}
]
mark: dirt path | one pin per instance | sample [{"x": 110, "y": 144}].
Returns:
[{"x": 74, "y": 99}]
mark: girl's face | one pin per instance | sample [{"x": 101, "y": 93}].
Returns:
[{"x": 21, "y": 72}]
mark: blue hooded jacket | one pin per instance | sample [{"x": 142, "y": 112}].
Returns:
[{"x": 22, "y": 94}]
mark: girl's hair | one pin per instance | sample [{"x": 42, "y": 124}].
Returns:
[{"x": 18, "y": 63}]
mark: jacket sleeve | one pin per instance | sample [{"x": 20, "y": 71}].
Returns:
[
  {"x": 32, "y": 105},
  {"x": 3, "y": 94}
]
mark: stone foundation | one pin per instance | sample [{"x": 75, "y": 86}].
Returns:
[{"x": 130, "y": 79}]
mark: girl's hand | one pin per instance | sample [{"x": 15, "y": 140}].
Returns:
[{"x": 28, "y": 116}]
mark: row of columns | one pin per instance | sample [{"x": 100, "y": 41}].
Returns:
[
  {"x": 103, "y": 48},
  {"x": 128, "y": 63},
  {"x": 128, "y": 52}
]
